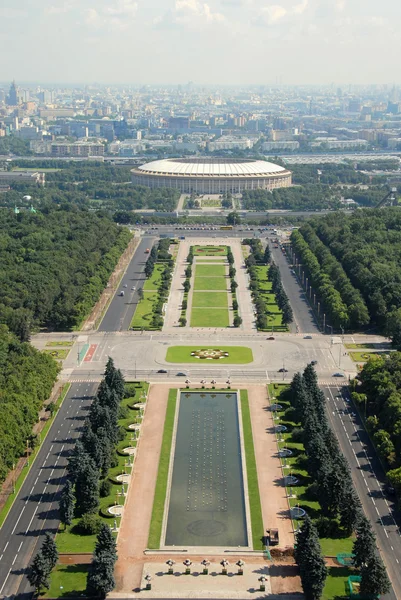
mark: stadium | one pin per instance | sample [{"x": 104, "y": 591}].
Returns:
[{"x": 211, "y": 175}]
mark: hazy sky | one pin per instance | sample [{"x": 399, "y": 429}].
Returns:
[{"x": 216, "y": 41}]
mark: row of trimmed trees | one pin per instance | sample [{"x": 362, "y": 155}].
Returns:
[
  {"x": 333, "y": 488},
  {"x": 159, "y": 254},
  {"x": 93, "y": 455},
  {"x": 257, "y": 257}
]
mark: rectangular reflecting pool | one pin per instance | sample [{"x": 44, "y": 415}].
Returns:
[{"x": 207, "y": 504}]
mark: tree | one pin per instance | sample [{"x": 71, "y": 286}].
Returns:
[
  {"x": 186, "y": 285},
  {"x": 233, "y": 218},
  {"x": 288, "y": 316},
  {"x": 49, "y": 551},
  {"x": 100, "y": 579},
  {"x": 308, "y": 555},
  {"x": 38, "y": 574},
  {"x": 364, "y": 546},
  {"x": 66, "y": 504},
  {"x": 105, "y": 542},
  {"x": 86, "y": 487},
  {"x": 267, "y": 255},
  {"x": 140, "y": 294},
  {"x": 237, "y": 321},
  {"x": 350, "y": 510},
  {"x": 374, "y": 578}
]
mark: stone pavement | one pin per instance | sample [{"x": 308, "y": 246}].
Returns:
[{"x": 196, "y": 585}]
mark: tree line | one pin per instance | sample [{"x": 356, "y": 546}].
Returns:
[
  {"x": 55, "y": 264},
  {"x": 357, "y": 314},
  {"x": 367, "y": 245},
  {"x": 160, "y": 255},
  {"x": 333, "y": 488},
  {"x": 378, "y": 393},
  {"x": 27, "y": 377},
  {"x": 257, "y": 257},
  {"x": 92, "y": 457}
]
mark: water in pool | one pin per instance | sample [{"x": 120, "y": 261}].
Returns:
[{"x": 207, "y": 505}]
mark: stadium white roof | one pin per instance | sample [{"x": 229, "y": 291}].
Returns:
[{"x": 181, "y": 166}]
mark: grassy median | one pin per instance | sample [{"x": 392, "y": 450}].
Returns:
[
  {"x": 155, "y": 530},
  {"x": 237, "y": 355},
  {"x": 252, "y": 475}
]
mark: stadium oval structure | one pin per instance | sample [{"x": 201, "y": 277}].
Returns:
[{"x": 211, "y": 175}]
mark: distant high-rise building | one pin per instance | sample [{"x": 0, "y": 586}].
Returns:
[{"x": 12, "y": 98}]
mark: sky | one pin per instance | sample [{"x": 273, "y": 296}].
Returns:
[{"x": 208, "y": 42}]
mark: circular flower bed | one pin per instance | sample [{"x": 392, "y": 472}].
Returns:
[{"x": 209, "y": 354}]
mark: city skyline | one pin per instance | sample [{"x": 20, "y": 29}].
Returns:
[{"x": 224, "y": 42}]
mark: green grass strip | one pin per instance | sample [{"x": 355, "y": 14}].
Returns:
[
  {"x": 18, "y": 484},
  {"x": 253, "y": 486},
  {"x": 155, "y": 530}
]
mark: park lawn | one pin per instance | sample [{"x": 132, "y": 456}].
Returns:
[
  {"x": 211, "y": 283},
  {"x": 330, "y": 546},
  {"x": 252, "y": 475},
  {"x": 210, "y": 300},
  {"x": 210, "y": 250},
  {"x": 238, "y": 355},
  {"x": 336, "y": 583},
  {"x": 201, "y": 317},
  {"x": 211, "y": 202},
  {"x": 144, "y": 310},
  {"x": 55, "y": 344},
  {"x": 210, "y": 270},
  {"x": 67, "y": 581},
  {"x": 360, "y": 346},
  {"x": 57, "y": 353},
  {"x": 151, "y": 284},
  {"x": 162, "y": 474},
  {"x": 362, "y": 356},
  {"x": 70, "y": 542}
]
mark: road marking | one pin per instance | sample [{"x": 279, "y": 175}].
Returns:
[
  {"x": 33, "y": 516},
  {"x": 36, "y": 480},
  {"x": 385, "y": 531},
  {"x": 15, "y": 558},
  {"x": 18, "y": 520},
  {"x": 377, "y": 511},
  {"x": 33, "y": 487},
  {"x": 19, "y": 547},
  {"x": 5, "y": 546},
  {"x": 5, "y": 581}
]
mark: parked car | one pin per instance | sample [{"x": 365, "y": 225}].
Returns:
[
  {"x": 307, "y": 337},
  {"x": 282, "y": 370},
  {"x": 162, "y": 371},
  {"x": 338, "y": 375},
  {"x": 181, "y": 374},
  {"x": 314, "y": 362},
  {"x": 271, "y": 338}
]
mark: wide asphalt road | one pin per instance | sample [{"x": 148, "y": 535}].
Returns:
[
  {"x": 35, "y": 509},
  {"x": 121, "y": 309},
  {"x": 303, "y": 315},
  {"x": 369, "y": 480}
]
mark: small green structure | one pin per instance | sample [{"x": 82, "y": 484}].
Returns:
[{"x": 346, "y": 559}]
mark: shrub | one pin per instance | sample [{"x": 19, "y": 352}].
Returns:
[
  {"x": 184, "y": 304},
  {"x": 113, "y": 460},
  {"x": 235, "y": 304},
  {"x": 105, "y": 488},
  {"x": 88, "y": 525},
  {"x": 237, "y": 321},
  {"x": 297, "y": 435},
  {"x": 123, "y": 412},
  {"x": 129, "y": 390},
  {"x": 183, "y": 321}
]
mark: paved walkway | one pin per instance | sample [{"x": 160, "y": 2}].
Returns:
[
  {"x": 173, "y": 311},
  {"x": 243, "y": 293},
  {"x": 272, "y": 491},
  {"x": 180, "y": 205}
]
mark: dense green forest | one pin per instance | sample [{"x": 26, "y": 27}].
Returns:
[
  {"x": 361, "y": 261},
  {"x": 14, "y": 145},
  {"x": 302, "y": 197},
  {"x": 379, "y": 396},
  {"x": 95, "y": 185},
  {"x": 26, "y": 380},
  {"x": 55, "y": 265}
]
